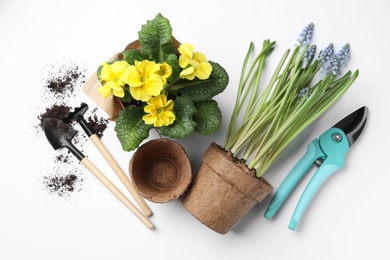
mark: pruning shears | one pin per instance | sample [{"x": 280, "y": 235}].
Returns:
[{"x": 326, "y": 152}]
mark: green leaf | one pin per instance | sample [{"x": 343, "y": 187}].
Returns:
[
  {"x": 127, "y": 97},
  {"x": 174, "y": 63},
  {"x": 183, "y": 125},
  {"x": 203, "y": 90},
  {"x": 130, "y": 128},
  {"x": 132, "y": 55},
  {"x": 98, "y": 71},
  {"x": 208, "y": 117},
  {"x": 153, "y": 35},
  {"x": 168, "y": 48}
]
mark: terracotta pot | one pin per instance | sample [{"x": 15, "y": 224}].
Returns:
[
  {"x": 160, "y": 170},
  {"x": 223, "y": 191}
]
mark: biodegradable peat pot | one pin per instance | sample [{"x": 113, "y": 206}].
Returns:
[
  {"x": 160, "y": 170},
  {"x": 223, "y": 191}
]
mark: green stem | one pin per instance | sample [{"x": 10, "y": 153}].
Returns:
[
  {"x": 271, "y": 119},
  {"x": 281, "y": 108},
  {"x": 248, "y": 127},
  {"x": 306, "y": 115},
  {"x": 236, "y": 109},
  {"x": 243, "y": 85}
]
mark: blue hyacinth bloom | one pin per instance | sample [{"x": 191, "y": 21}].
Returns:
[
  {"x": 343, "y": 54},
  {"x": 310, "y": 52},
  {"x": 327, "y": 53},
  {"x": 306, "y": 34},
  {"x": 331, "y": 66}
]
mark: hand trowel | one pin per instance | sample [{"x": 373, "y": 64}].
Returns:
[{"x": 59, "y": 134}]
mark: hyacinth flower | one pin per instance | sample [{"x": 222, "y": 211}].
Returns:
[
  {"x": 343, "y": 54},
  {"x": 264, "y": 122},
  {"x": 327, "y": 53},
  {"x": 309, "y": 54},
  {"x": 306, "y": 35},
  {"x": 333, "y": 62}
]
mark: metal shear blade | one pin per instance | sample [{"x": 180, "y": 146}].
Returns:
[{"x": 328, "y": 153}]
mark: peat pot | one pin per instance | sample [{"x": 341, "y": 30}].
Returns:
[
  {"x": 223, "y": 191},
  {"x": 160, "y": 170}
]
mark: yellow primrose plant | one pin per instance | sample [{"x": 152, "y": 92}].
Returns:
[{"x": 162, "y": 86}]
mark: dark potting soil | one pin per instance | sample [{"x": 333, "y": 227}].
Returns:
[
  {"x": 240, "y": 163},
  {"x": 55, "y": 111},
  {"x": 61, "y": 86},
  {"x": 98, "y": 124},
  {"x": 62, "y": 185},
  {"x": 64, "y": 80}
]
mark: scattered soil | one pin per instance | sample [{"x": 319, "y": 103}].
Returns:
[
  {"x": 98, "y": 124},
  {"x": 63, "y": 80},
  {"x": 62, "y": 85},
  {"x": 55, "y": 111},
  {"x": 62, "y": 185}
]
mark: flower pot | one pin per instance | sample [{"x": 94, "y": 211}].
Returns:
[
  {"x": 160, "y": 170},
  {"x": 223, "y": 191}
]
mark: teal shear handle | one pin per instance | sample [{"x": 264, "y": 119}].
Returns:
[
  {"x": 316, "y": 181},
  {"x": 329, "y": 150},
  {"x": 294, "y": 177}
]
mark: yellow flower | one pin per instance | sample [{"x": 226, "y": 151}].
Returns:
[
  {"x": 159, "y": 111},
  {"x": 112, "y": 76},
  {"x": 193, "y": 63},
  {"x": 165, "y": 71},
  {"x": 144, "y": 80}
]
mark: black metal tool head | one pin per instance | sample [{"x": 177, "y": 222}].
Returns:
[
  {"x": 353, "y": 124},
  {"x": 59, "y": 134},
  {"x": 77, "y": 115}
]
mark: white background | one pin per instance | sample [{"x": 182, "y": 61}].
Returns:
[{"x": 347, "y": 219}]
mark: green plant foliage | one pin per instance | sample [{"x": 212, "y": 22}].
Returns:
[
  {"x": 204, "y": 90},
  {"x": 156, "y": 45},
  {"x": 130, "y": 128},
  {"x": 184, "y": 124},
  {"x": 207, "y": 117},
  {"x": 301, "y": 89},
  {"x": 153, "y": 36}
]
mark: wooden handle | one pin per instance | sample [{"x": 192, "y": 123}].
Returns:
[
  {"x": 111, "y": 187},
  {"x": 119, "y": 172}
]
